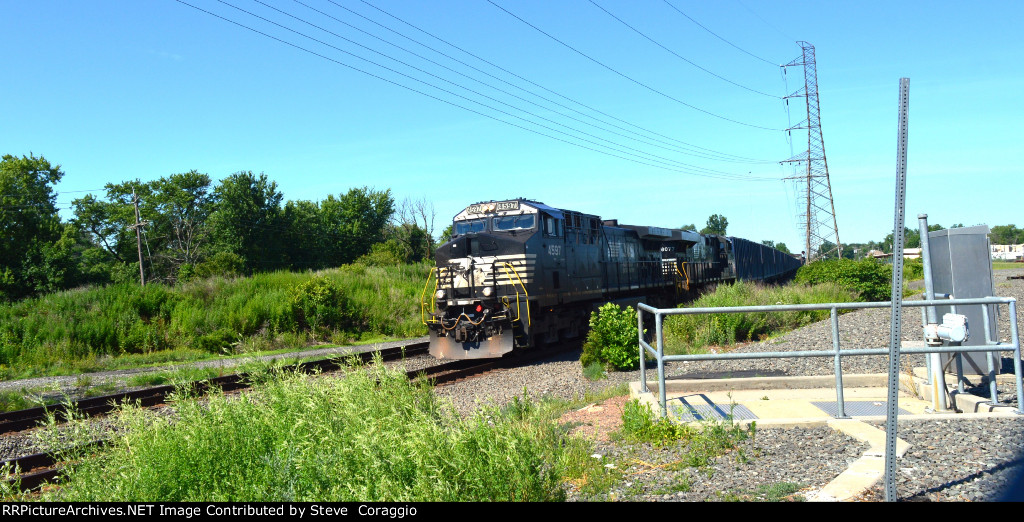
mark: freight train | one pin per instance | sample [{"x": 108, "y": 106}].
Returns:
[{"x": 518, "y": 274}]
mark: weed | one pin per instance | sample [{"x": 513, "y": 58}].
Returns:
[
  {"x": 773, "y": 492},
  {"x": 594, "y": 371},
  {"x": 677, "y": 486}
]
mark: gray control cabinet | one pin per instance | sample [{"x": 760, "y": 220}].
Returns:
[{"x": 962, "y": 266}]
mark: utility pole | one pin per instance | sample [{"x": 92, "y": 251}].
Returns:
[
  {"x": 819, "y": 216},
  {"x": 138, "y": 237}
]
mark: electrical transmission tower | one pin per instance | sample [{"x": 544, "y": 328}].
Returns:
[{"x": 819, "y": 216}]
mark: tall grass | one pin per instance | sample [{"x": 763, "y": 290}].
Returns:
[
  {"x": 372, "y": 436},
  {"x": 79, "y": 329},
  {"x": 694, "y": 333}
]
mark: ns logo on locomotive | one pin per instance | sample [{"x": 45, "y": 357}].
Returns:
[{"x": 518, "y": 273}]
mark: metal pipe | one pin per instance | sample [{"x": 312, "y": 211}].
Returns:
[
  {"x": 936, "y": 375},
  {"x": 926, "y": 259},
  {"x": 990, "y": 357},
  {"x": 824, "y": 306},
  {"x": 643, "y": 355},
  {"x": 841, "y": 414},
  {"x": 1016, "y": 355},
  {"x": 661, "y": 365}
]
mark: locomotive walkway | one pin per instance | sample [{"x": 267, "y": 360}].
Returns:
[{"x": 811, "y": 401}]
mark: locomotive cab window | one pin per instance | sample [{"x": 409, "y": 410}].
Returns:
[
  {"x": 523, "y": 222},
  {"x": 469, "y": 227},
  {"x": 552, "y": 226}
]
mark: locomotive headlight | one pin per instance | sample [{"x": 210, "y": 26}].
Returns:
[
  {"x": 488, "y": 291},
  {"x": 439, "y": 294}
]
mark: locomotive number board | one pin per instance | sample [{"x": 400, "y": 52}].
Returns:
[{"x": 494, "y": 206}]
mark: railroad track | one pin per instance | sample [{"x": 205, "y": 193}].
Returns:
[{"x": 29, "y": 418}]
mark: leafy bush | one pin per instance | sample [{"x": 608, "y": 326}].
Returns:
[
  {"x": 612, "y": 339},
  {"x": 868, "y": 277},
  {"x": 388, "y": 253},
  {"x": 319, "y": 304},
  {"x": 217, "y": 341},
  {"x": 913, "y": 269},
  {"x": 221, "y": 264}
]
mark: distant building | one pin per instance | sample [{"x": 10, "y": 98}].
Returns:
[
  {"x": 908, "y": 253},
  {"x": 1008, "y": 252}
]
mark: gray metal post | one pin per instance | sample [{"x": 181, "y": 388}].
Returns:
[
  {"x": 928, "y": 358},
  {"x": 643, "y": 352},
  {"x": 658, "y": 318},
  {"x": 929, "y": 315},
  {"x": 897, "y": 295},
  {"x": 1016, "y": 355},
  {"x": 926, "y": 259},
  {"x": 990, "y": 357},
  {"x": 841, "y": 414}
]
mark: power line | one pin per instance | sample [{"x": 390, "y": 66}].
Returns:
[
  {"x": 393, "y": 82},
  {"x": 642, "y": 138},
  {"x": 535, "y": 84},
  {"x": 759, "y": 17},
  {"x": 719, "y": 37},
  {"x": 650, "y": 157},
  {"x": 638, "y": 82},
  {"x": 677, "y": 55}
]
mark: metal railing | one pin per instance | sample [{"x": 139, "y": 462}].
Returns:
[{"x": 990, "y": 345}]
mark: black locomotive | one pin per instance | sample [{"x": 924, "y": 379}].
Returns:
[{"x": 519, "y": 273}]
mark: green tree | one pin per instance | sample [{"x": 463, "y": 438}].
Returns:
[
  {"x": 36, "y": 250},
  {"x": 781, "y": 247},
  {"x": 691, "y": 227},
  {"x": 182, "y": 204},
  {"x": 247, "y": 220},
  {"x": 358, "y": 219},
  {"x": 1006, "y": 235},
  {"x": 717, "y": 224},
  {"x": 308, "y": 241}
]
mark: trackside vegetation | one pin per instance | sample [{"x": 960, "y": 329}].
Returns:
[
  {"x": 371, "y": 436},
  {"x": 695, "y": 333},
  {"x": 704, "y": 441},
  {"x": 612, "y": 341},
  {"x": 127, "y": 325}
]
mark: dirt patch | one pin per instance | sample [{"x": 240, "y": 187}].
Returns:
[{"x": 597, "y": 420}]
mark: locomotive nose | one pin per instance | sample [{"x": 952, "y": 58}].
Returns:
[{"x": 474, "y": 245}]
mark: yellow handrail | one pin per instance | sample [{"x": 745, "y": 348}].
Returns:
[
  {"x": 423, "y": 302},
  {"x": 685, "y": 275},
  {"x": 507, "y": 266}
]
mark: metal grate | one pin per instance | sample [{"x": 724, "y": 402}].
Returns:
[
  {"x": 856, "y": 408},
  {"x": 701, "y": 408}
]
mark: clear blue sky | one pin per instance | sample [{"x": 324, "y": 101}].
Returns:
[{"x": 115, "y": 90}]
